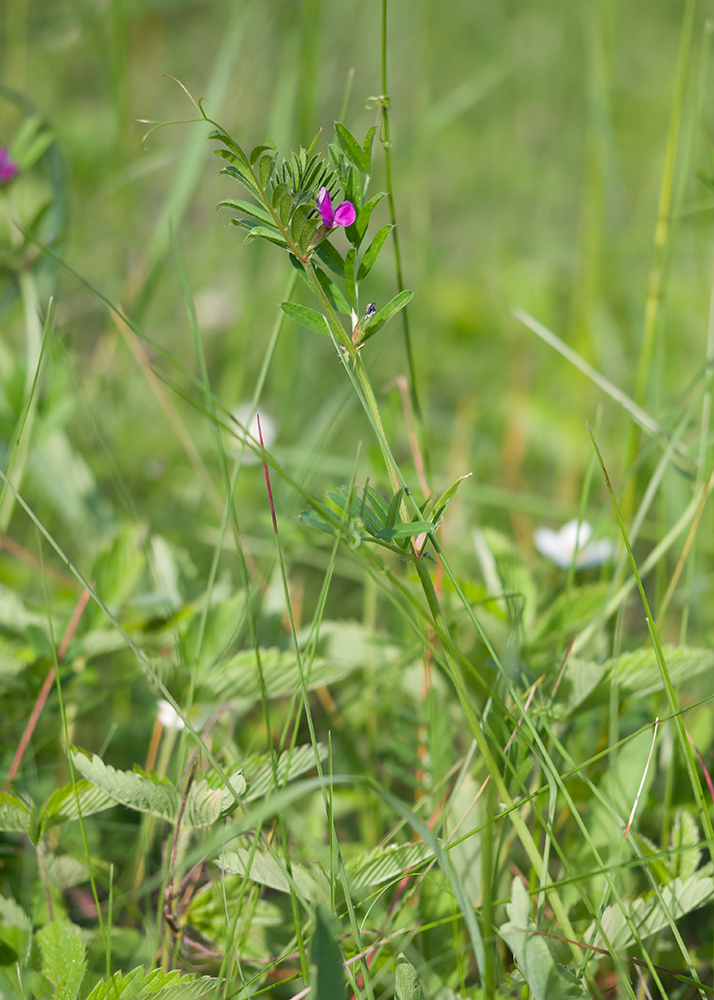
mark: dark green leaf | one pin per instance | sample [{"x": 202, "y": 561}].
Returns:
[
  {"x": 265, "y": 168},
  {"x": 351, "y": 148},
  {"x": 257, "y": 150},
  {"x": 353, "y": 189},
  {"x": 372, "y": 252},
  {"x": 233, "y": 151},
  {"x": 394, "y": 508},
  {"x": 330, "y": 257},
  {"x": 383, "y": 315},
  {"x": 355, "y": 232},
  {"x": 299, "y": 222},
  {"x": 306, "y": 317},
  {"x": 326, "y": 956},
  {"x": 333, "y": 293},
  {"x": 367, "y": 147},
  {"x": 350, "y": 283}
]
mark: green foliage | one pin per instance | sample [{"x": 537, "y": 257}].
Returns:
[
  {"x": 326, "y": 959},
  {"x": 63, "y": 957},
  {"x": 546, "y": 979},
  {"x": 406, "y": 981}
]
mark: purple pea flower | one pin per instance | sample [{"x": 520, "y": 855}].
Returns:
[
  {"x": 8, "y": 167},
  {"x": 343, "y": 215}
]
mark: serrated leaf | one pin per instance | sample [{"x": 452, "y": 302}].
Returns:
[
  {"x": 157, "y": 796},
  {"x": 306, "y": 317},
  {"x": 684, "y": 845},
  {"x": 63, "y": 957},
  {"x": 648, "y": 916},
  {"x": 157, "y": 984},
  {"x": 356, "y": 232},
  {"x": 406, "y": 981},
  {"x": 383, "y": 315},
  {"x": 330, "y": 257},
  {"x": 205, "y": 804},
  {"x": 248, "y": 208},
  {"x": 387, "y": 863},
  {"x": 351, "y": 148},
  {"x": 350, "y": 282},
  {"x": 289, "y": 766},
  {"x": 15, "y": 814},
  {"x": 62, "y": 804},
  {"x": 373, "y": 251},
  {"x": 326, "y": 957},
  {"x": 637, "y": 674},
  {"x": 238, "y": 676},
  {"x": 534, "y": 960},
  {"x": 266, "y": 870}
]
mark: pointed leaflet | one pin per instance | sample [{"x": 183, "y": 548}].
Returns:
[
  {"x": 445, "y": 499},
  {"x": 63, "y": 960},
  {"x": 648, "y": 915},
  {"x": 157, "y": 796},
  {"x": 15, "y": 814},
  {"x": 289, "y": 765},
  {"x": 351, "y": 148},
  {"x": 326, "y": 957},
  {"x": 355, "y": 232},
  {"x": 306, "y": 317},
  {"x": 372, "y": 252},
  {"x": 62, "y": 804},
  {"x": 266, "y": 870},
  {"x": 546, "y": 981},
  {"x": 248, "y": 208},
  {"x": 406, "y": 981},
  {"x": 330, "y": 257},
  {"x": 388, "y": 863},
  {"x": 159, "y": 985},
  {"x": 383, "y": 316}
]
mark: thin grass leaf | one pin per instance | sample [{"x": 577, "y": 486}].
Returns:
[{"x": 326, "y": 957}]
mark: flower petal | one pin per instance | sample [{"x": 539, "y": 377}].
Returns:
[
  {"x": 345, "y": 214},
  {"x": 324, "y": 207}
]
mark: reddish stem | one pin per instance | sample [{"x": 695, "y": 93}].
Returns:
[{"x": 45, "y": 689}]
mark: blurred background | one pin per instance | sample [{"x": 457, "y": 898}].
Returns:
[{"x": 530, "y": 142}]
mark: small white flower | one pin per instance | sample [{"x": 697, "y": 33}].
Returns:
[
  {"x": 242, "y": 414},
  {"x": 168, "y": 716},
  {"x": 559, "y": 546}
]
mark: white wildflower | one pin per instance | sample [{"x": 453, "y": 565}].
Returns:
[
  {"x": 560, "y": 546},
  {"x": 168, "y": 716}
]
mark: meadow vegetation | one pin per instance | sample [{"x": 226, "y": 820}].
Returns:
[{"x": 356, "y": 561}]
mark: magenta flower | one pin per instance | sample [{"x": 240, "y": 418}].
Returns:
[
  {"x": 8, "y": 167},
  {"x": 343, "y": 215}
]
